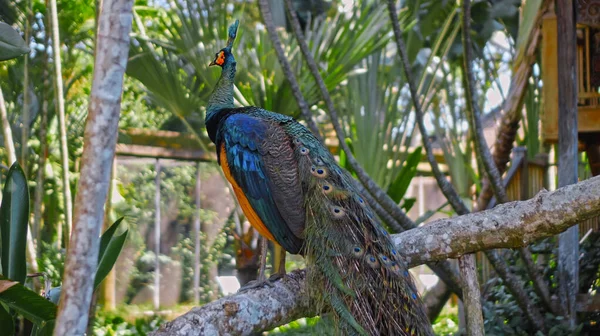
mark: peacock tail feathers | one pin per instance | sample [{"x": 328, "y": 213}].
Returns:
[{"x": 354, "y": 266}]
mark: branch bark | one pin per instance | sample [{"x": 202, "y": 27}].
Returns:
[
  {"x": 98, "y": 153},
  {"x": 508, "y": 225}
]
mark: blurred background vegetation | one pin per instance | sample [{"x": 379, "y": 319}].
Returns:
[{"x": 166, "y": 88}]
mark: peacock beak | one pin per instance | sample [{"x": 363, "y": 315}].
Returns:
[{"x": 212, "y": 63}]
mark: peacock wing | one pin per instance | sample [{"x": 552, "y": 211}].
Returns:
[{"x": 261, "y": 161}]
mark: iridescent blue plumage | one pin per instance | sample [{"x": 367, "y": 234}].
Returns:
[{"x": 246, "y": 152}]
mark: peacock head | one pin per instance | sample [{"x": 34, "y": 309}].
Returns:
[{"x": 224, "y": 56}]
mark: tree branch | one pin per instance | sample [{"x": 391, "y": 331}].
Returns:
[
  {"x": 446, "y": 187},
  {"x": 513, "y": 104},
  {"x": 248, "y": 312},
  {"x": 467, "y": 265},
  {"x": 509, "y": 225},
  {"x": 492, "y": 172}
]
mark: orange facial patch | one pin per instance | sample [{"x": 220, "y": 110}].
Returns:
[
  {"x": 252, "y": 216},
  {"x": 220, "y": 59}
]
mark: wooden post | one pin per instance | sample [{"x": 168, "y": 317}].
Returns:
[
  {"x": 568, "y": 242},
  {"x": 197, "y": 235},
  {"x": 157, "y": 236}
]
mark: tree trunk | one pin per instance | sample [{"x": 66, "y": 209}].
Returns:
[{"x": 100, "y": 138}]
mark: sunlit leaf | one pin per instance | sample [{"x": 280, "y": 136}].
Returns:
[{"x": 110, "y": 248}]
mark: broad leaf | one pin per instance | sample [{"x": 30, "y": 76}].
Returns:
[
  {"x": 46, "y": 329},
  {"x": 398, "y": 188},
  {"x": 6, "y": 320},
  {"x": 110, "y": 248},
  {"x": 27, "y": 303},
  {"x": 11, "y": 43},
  {"x": 14, "y": 213},
  {"x": 408, "y": 203}
]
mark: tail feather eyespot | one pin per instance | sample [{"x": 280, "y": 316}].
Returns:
[
  {"x": 372, "y": 261},
  {"x": 327, "y": 187},
  {"x": 385, "y": 260},
  {"x": 304, "y": 151},
  {"x": 319, "y": 172},
  {"x": 358, "y": 251},
  {"x": 337, "y": 212}
]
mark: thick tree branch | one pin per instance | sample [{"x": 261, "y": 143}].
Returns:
[
  {"x": 508, "y": 225},
  {"x": 248, "y": 312}
]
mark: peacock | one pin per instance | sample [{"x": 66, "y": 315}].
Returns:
[{"x": 294, "y": 193}]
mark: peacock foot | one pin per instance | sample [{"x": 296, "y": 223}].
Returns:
[
  {"x": 276, "y": 276},
  {"x": 256, "y": 284}
]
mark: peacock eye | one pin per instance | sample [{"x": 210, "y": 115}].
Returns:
[
  {"x": 304, "y": 151},
  {"x": 372, "y": 261},
  {"x": 357, "y": 252},
  {"x": 320, "y": 172},
  {"x": 337, "y": 212}
]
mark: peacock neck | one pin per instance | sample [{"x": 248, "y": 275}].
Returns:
[{"x": 222, "y": 96}]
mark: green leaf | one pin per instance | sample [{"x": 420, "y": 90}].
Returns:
[
  {"x": 27, "y": 303},
  {"x": 110, "y": 248},
  {"x": 527, "y": 22},
  {"x": 11, "y": 43},
  {"x": 398, "y": 188},
  {"x": 408, "y": 204},
  {"x": 14, "y": 214},
  {"x": 46, "y": 329},
  {"x": 6, "y": 320}
]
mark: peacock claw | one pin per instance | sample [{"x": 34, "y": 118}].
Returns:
[
  {"x": 276, "y": 276},
  {"x": 255, "y": 284}
]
